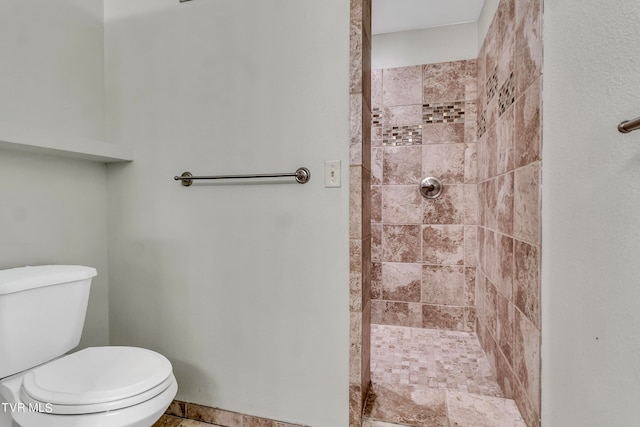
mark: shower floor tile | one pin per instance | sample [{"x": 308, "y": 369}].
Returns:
[
  {"x": 433, "y": 358},
  {"x": 398, "y": 405}
]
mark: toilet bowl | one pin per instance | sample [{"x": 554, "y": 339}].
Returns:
[
  {"x": 23, "y": 411},
  {"x": 93, "y": 387}
]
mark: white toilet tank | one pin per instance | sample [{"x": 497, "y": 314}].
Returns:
[{"x": 42, "y": 311}]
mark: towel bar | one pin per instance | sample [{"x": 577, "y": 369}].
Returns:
[
  {"x": 302, "y": 176},
  {"x": 629, "y": 125}
]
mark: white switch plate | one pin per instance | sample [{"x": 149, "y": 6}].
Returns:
[{"x": 332, "y": 176}]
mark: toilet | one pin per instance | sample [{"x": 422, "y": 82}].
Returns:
[{"x": 42, "y": 311}]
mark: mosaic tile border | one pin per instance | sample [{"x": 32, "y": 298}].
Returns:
[
  {"x": 482, "y": 124},
  {"x": 448, "y": 112},
  {"x": 402, "y": 135},
  {"x": 492, "y": 85},
  {"x": 376, "y": 118},
  {"x": 451, "y": 112},
  {"x": 507, "y": 95}
]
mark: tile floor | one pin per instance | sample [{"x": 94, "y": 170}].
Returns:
[
  {"x": 171, "y": 421},
  {"x": 433, "y": 378},
  {"x": 400, "y": 405},
  {"x": 184, "y": 414},
  {"x": 424, "y": 378},
  {"x": 435, "y": 358}
]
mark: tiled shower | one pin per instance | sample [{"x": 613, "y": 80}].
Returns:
[
  {"x": 424, "y": 250},
  {"x": 469, "y": 260},
  {"x": 509, "y": 164}
]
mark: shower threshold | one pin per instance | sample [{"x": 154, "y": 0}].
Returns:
[{"x": 433, "y": 378}]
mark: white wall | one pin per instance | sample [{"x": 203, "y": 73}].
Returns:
[
  {"x": 52, "y": 75},
  {"x": 53, "y": 210},
  {"x": 591, "y": 226},
  {"x": 432, "y": 45},
  {"x": 244, "y": 287},
  {"x": 427, "y": 46},
  {"x": 487, "y": 13}
]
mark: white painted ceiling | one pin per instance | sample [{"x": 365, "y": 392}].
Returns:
[{"x": 390, "y": 16}]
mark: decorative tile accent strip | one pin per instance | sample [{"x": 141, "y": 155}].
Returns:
[
  {"x": 506, "y": 96},
  {"x": 376, "y": 118},
  {"x": 450, "y": 112},
  {"x": 492, "y": 85},
  {"x": 402, "y": 135},
  {"x": 482, "y": 124}
]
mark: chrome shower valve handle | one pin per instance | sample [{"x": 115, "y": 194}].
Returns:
[{"x": 431, "y": 187}]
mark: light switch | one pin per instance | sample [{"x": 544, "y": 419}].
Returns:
[{"x": 332, "y": 173}]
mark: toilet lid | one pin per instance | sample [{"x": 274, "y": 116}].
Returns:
[{"x": 97, "y": 376}]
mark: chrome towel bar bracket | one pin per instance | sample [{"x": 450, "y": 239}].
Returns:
[
  {"x": 629, "y": 125},
  {"x": 302, "y": 176}
]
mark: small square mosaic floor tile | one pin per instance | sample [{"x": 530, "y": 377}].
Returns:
[{"x": 428, "y": 357}]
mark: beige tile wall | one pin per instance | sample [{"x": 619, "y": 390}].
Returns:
[
  {"x": 508, "y": 153},
  {"x": 360, "y": 209},
  {"x": 424, "y": 251}
]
